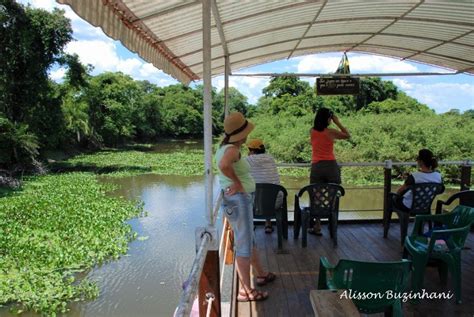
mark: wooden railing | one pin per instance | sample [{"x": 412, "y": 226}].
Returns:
[{"x": 465, "y": 177}]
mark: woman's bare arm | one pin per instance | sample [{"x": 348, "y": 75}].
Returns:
[{"x": 343, "y": 133}]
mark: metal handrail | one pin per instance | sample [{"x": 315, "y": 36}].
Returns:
[{"x": 191, "y": 285}]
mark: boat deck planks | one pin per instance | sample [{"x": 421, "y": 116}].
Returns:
[{"x": 297, "y": 270}]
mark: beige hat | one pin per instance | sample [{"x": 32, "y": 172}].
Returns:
[{"x": 236, "y": 127}]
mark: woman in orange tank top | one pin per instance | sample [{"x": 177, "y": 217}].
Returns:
[{"x": 324, "y": 168}]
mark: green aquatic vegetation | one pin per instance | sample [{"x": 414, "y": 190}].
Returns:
[
  {"x": 57, "y": 226},
  {"x": 124, "y": 163}
]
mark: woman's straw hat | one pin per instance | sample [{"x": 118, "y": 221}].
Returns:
[
  {"x": 236, "y": 127},
  {"x": 256, "y": 144}
]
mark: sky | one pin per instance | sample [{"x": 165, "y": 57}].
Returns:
[{"x": 441, "y": 93}]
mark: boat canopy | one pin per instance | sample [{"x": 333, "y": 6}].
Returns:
[{"x": 168, "y": 34}]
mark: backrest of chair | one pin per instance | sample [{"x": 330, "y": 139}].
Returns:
[
  {"x": 265, "y": 199},
  {"x": 461, "y": 217},
  {"x": 466, "y": 198},
  {"x": 423, "y": 196},
  {"x": 323, "y": 197},
  {"x": 374, "y": 279}
]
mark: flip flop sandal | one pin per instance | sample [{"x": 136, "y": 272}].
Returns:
[
  {"x": 268, "y": 229},
  {"x": 264, "y": 280},
  {"x": 252, "y": 296}
]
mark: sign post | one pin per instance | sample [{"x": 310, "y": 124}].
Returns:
[{"x": 340, "y": 85}]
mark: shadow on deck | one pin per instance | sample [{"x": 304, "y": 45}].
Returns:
[{"x": 297, "y": 270}]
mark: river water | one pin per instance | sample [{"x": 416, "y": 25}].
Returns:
[{"x": 147, "y": 281}]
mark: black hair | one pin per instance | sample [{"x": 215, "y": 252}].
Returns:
[
  {"x": 428, "y": 159},
  {"x": 321, "y": 120}
]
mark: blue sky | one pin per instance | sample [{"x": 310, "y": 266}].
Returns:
[{"x": 440, "y": 93}]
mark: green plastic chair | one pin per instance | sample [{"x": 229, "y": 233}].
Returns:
[
  {"x": 360, "y": 277},
  {"x": 264, "y": 207},
  {"x": 444, "y": 246}
]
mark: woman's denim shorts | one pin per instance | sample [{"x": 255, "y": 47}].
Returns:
[{"x": 238, "y": 209}]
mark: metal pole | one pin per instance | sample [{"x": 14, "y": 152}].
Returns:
[
  {"x": 466, "y": 176},
  {"x": 343, "y": 75},
  {"x": 226, "y": 86},
  {"x": 387, "y": 187},
  {"x": 209, "y": 279},
  {"x": 206, "y": 41}
]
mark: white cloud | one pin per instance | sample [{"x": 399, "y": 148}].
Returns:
[
  {"x": 57, "y": 75},
  {"x": 101, "y": 54},
  {"x": 248, "y": 86},
  {"x": 441, "y": 96},
  {"x": 402, "y": 83},
  {"x": 42, "y": 4}
]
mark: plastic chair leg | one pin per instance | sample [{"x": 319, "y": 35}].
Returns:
[
  {"x": 397, "y": 310},
  {"x": 418, "y": 274},
  {"x": 304, "y": 228},
  {"x": 297, "y": 223},
  {"x": 386, "y": 224},
  {"x": 279, "y": 223},
  {"x": 404, "y": 218},
  {"x": 456, "y": 274},
  {"x": 443, "y": 272},
  {"x": 285, "y": 223},
  {"x": 333, "y": 229}
]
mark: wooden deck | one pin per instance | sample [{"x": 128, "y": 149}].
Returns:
[{"x": 297, "y": 270}]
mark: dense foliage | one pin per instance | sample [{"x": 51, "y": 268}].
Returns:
[{"x": 56, "y": 226}]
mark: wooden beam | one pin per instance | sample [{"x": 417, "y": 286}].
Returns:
[
  {"x": 329, "y": 35},
  {"x": 391, "y": 18},
  {"x": 346, "y": 44},
  {"x": 308, "y": 28},
  {"x": 220, "y": 30},
  {"x": 442, "y": 43},
  {"x": 388, "y": 25},
  {"x": 166, "y": 11}
]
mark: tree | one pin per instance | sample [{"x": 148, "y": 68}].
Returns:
[
  {"x": 374, "y": 89},
  {"x": 17, "y": 143},
  {"x": 282, "y": 85},
  {"x": 112, "y": 100},
  {"x": 31, "y": 41}
]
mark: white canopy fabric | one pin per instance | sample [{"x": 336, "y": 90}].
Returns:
[{"x": 168, "y": 34}]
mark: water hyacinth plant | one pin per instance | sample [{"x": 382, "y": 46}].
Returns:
[{"x": 57, "y": 226}]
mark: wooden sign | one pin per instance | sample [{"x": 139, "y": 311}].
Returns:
[{"x": 337, "y": 86}]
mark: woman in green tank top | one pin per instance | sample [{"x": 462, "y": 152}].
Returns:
[{"x": 238, "y": 186}]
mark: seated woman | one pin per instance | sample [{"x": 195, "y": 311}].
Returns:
[
  {"x": 426, "y": 174},
  {"x": 264, "y": 170}
]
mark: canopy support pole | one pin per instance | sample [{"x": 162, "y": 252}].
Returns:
[
  {"x": 209, "y": 281},
  {"x": 207, "y": 96},
  {"x": 226, "y": 85}
]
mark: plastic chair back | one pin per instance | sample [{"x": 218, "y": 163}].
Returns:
[
  {"x": 423, "y": 196},
  {"x": 323, "y": 198},
  {"x": 461, "y": 216},
  {"x": 265, "y": 200},
  {"x": 373, "y": 278}
]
